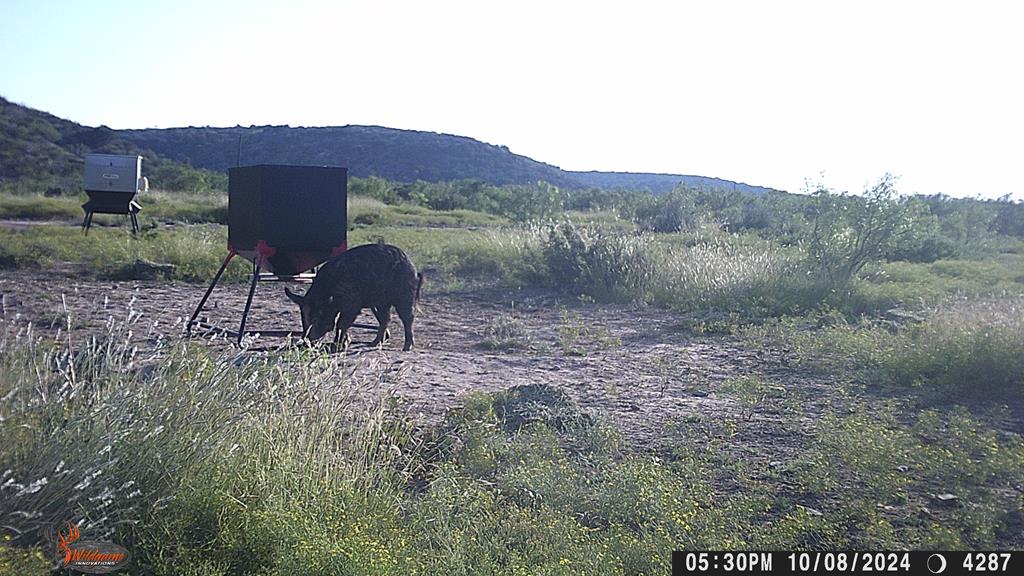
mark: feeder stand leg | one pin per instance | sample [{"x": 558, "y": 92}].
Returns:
[
  {"x": 135, "y": 223},
  {"x": 87, "y": 222},
  {"x": 248, "y": 302},
  {"x": 209, "y": 291}
]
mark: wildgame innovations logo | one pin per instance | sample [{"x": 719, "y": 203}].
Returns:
[{"x": 89, "y": 556}]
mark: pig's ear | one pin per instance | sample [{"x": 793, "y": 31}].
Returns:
[{"x": 293, "y": 296}]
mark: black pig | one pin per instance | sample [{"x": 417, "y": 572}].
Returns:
[{"x": 376, "y": 276}]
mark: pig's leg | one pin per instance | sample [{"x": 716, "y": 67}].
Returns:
[
  {"x": 383, "y": 314},
  {"x": 345, "y": 320},
  {"x": 405, "y": 312}
]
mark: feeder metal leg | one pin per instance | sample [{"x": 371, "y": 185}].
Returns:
[
  {"x": 135, "y": 223},
  {"x": 87, "y": 222},
  {"x": 209, "y": 291},
  {"x": 248, "y": 302}
]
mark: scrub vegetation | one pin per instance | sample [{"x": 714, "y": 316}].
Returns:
[{"x": 904, "y": 316}]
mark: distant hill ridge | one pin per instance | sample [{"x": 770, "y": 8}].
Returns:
[
  {"x": 31, "y": 140},
  {"x": 400, "y": 155},
  {"x": 659, "y": 183}
]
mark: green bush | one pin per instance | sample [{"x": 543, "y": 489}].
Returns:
[
  {"x": 611, "y": 268},
  {"x": 967, "y": 222},
  {"x": 374, "y": 187},
  {"x": 923, "y": 241},
  {"x": 847, "y": 233},
  {"x": 672, "y": 212},
  {"x": 167, "y": 175},
  {"x": 1009, "y": 219}
]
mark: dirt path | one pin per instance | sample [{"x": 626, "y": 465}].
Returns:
[
  {"x": 635, "y": 367},
  {"x": 23, "y": 224}
]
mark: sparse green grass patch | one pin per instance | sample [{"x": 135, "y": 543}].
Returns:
[
  {"x": 212, "y": 207},
  {"x": 506, "y": 332},
  {"x": 186, "y": 207},
  {"x": 195, "y": 251},
  {"x": 938, "y": 483},
  {"x": 970, "y": 348},
  {"x": 575, "y": 336},
  {"x": 494, "y": 255},
  {"x": 39, "y": 207},
  {"x": 368, "y": 212},
  {"x": 750, "y": 391},
  {"x": 919, "y": 286}
]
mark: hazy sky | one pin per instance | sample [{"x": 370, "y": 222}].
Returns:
[{"x": 771, "y": 93}]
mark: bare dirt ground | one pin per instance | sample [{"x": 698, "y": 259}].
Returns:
[{"x": 637, "y": 367}]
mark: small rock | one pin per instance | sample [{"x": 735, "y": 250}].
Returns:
[
  {"x": 946, "y": 498},
  {"x": 812, "y": 511},
  {"x": 144, "y": 269}
]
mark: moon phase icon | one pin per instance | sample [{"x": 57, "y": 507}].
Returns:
[{"x": 937, "y": 563}]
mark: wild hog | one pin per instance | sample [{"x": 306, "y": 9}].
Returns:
[{"x": 376, "y": 276}]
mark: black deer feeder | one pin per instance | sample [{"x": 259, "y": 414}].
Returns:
[{"x": 286, "y": 220}]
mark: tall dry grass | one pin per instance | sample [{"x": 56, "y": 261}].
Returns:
[
  {"x": 296, "y": 462},
  {"x": 131, "y": 442},
  {"x": 972, "y": 347},
  {"x": 719, "y": 273}
]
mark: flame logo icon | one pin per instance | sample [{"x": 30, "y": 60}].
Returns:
[{"x": 64, "y": 541}]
